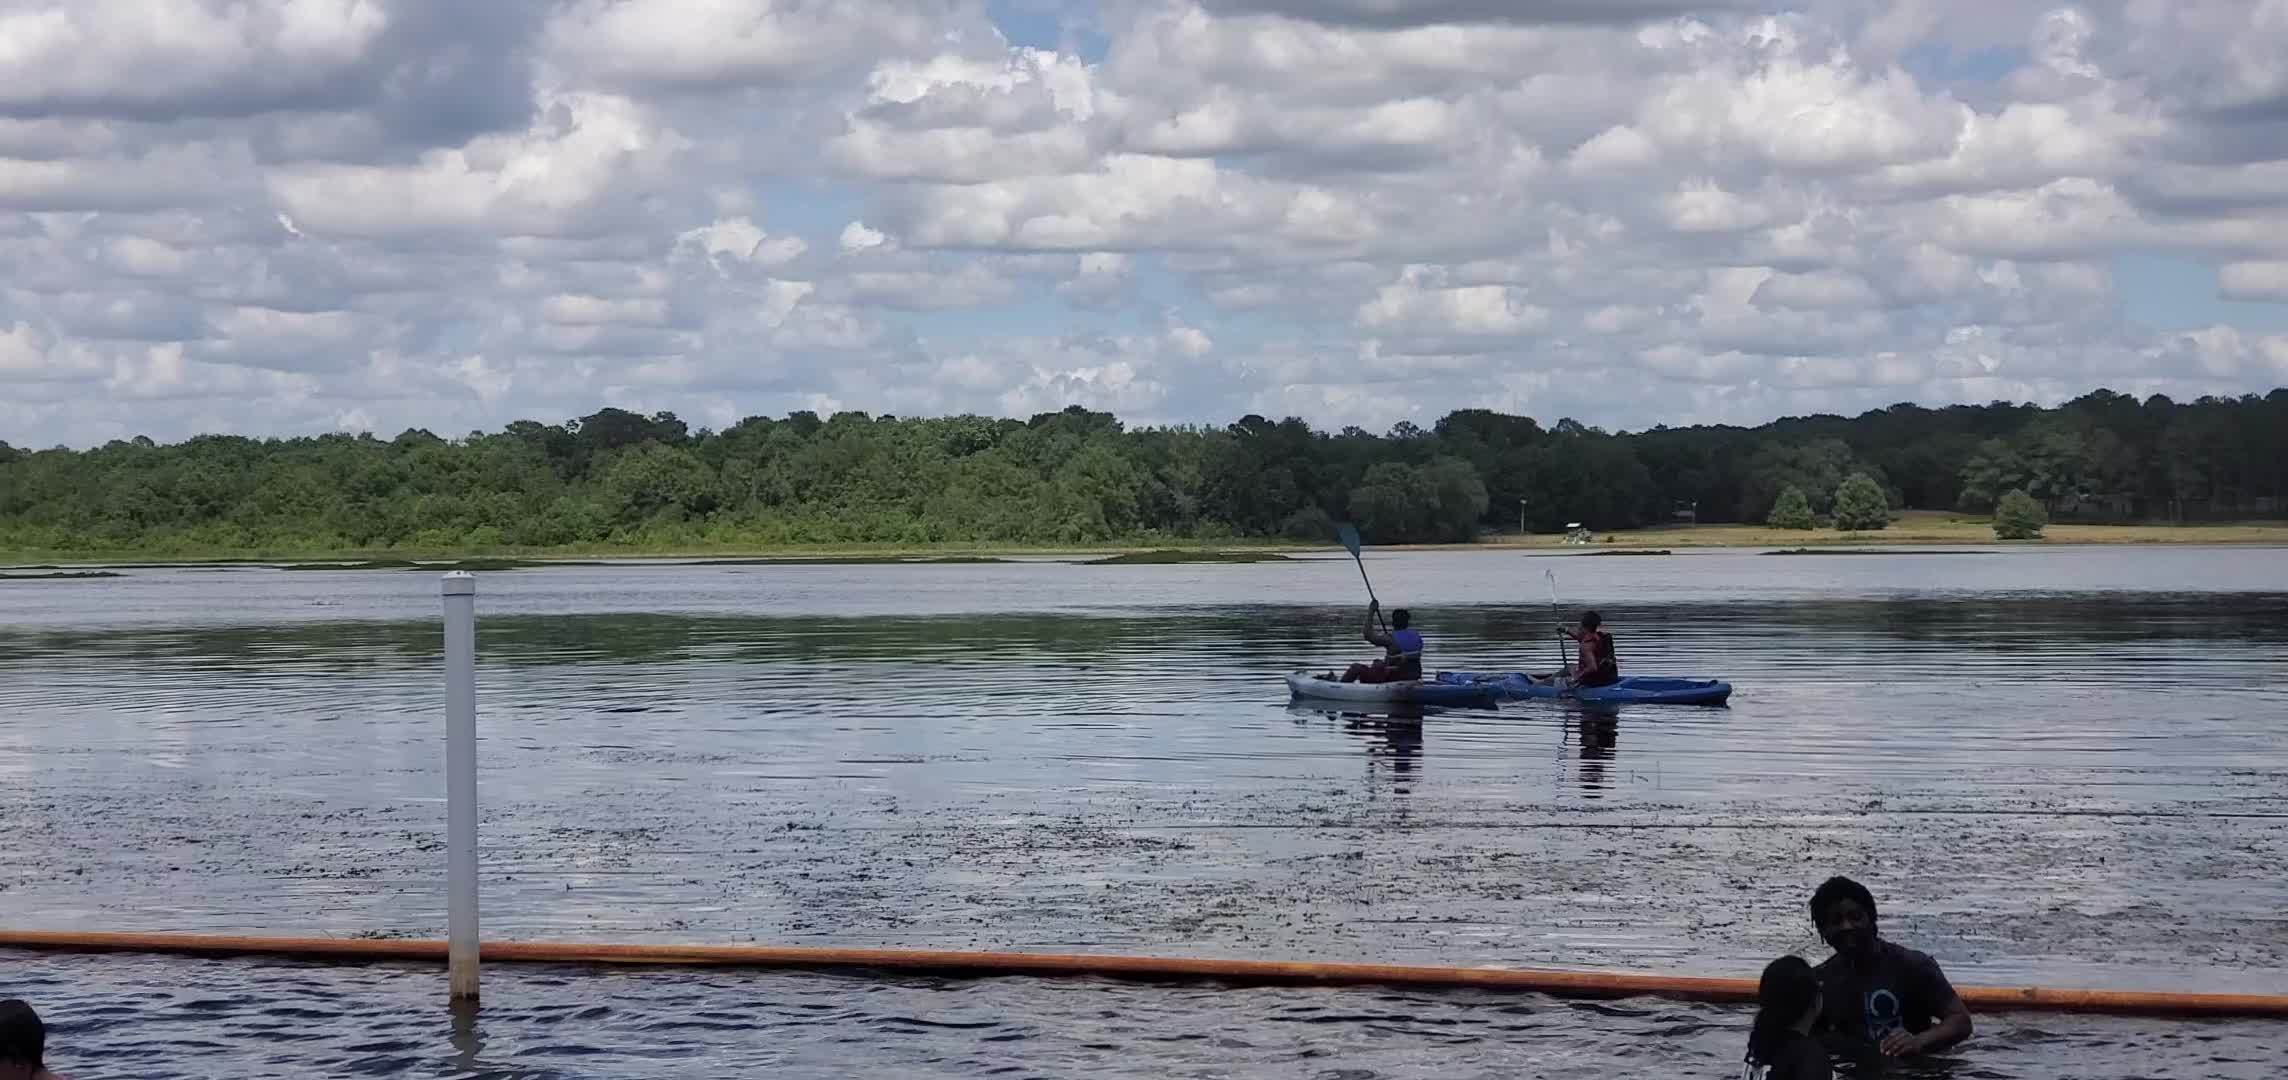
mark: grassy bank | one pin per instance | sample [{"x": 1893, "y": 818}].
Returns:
[
  {"x": 1142, "y": 551},
  {"x": 1919, "y": 528}
]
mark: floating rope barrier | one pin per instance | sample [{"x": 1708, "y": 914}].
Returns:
[{"x": 1569, "y": 984}]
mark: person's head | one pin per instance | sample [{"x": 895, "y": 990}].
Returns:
[
  {"x": 1787, "y": 997},
  {"x": 23, "y": 1038},
  {"x": 1590, "y": 620},
  {"x": 1400, "y": 618},
  {"x": 1844, "y": 912}
]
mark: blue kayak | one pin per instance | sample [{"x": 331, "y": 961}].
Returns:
[
  {"x": 1316, "y": 685},
  {"x": 1631, "y": 689}
]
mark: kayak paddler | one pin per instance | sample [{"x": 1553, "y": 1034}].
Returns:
[
  {"x": 1402, "y": 649},
  {"x": 1598, "y": 666}
]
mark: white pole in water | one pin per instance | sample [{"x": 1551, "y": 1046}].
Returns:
[{"x": 460, "y": 589}]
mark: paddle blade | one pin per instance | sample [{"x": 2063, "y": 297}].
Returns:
[{"x": 1349, "y": 537}]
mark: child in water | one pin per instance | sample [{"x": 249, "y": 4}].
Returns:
[
  {"x": 1780, "y": 1045},
  {"x": 23, "y": 1043}
]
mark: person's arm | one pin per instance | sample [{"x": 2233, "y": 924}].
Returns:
[
  {"x": 1375, "y": 636},
  {"x": 1954, "y": 1016}
]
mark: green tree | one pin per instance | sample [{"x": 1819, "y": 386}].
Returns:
[
  {"x": 1458, "y": 496},
  {"x": 1817, "y": 466},
  {"x": 1791, "y": 511},
  {"x": 1860, "y": 505},
  {"x": 1995, "y": 468},
  {"x": 1403, "y": 504},
  {"x": 2018, "y": 517},
  {"x": 1078, "y": 475}
]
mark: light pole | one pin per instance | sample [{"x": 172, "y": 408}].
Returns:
[{"x": 1521, "y": 519}]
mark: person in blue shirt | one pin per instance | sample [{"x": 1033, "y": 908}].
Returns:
[{"x": 1402, "y": 658}]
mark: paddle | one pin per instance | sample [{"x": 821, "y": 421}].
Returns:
[
  {"x": 1564, "y": 658},
  {"x": 1349, "y": 537}
]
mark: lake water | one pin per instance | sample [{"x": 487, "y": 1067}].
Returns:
[{"x": 2057, "y": 765}]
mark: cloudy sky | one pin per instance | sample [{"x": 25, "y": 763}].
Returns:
[{"x": 295, "y": 216}]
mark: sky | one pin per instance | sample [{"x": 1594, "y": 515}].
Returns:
[{"x": 283, "y": 217}]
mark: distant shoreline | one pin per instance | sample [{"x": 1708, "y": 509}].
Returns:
[{"x": 1915, "y": 529}]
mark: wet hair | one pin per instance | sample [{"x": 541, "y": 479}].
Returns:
[
  {"x": 1783, "y": 995},
  {"x": 1837, "y": 889},
  {"x": 1399, "y": 618},
  {"x": 1590, "y": 620},
  {"x": 23, "y": 1038}
]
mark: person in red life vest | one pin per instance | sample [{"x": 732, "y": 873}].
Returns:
[
  {"x": 1598, "y": 666},
  {"x": 1402, "y": 658}
]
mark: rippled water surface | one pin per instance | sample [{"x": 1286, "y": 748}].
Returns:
[{"x": 2058, "y": 765}]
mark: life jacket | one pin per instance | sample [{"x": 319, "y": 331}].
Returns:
[
  {"x": 1600, "y": 645},
  {"x": 1409, "y": 645}
]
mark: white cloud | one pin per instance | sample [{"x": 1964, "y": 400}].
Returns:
[
  {"x": 857, "y": 237},
  {"x": 575, "y": 310},
  {"x": 700, "y": 44},
  {"x": 296, "y": 215},
  {"x": 1816, "y": 290},
  {"x": 554, "y": 178},
  {"x": 2254, "y": 281},
  {"x": 1190, "y": 340},
  {"x": 739, "y": 239},
  {"x": 1418, "y": 301},
  {"x": 163, "y": 55},
  {"x": 1616, "y": 149}
]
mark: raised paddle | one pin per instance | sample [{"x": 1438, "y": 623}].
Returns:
[
  {"x": 1564, "y": 659},
  {"x": 1349, "y": 536}
]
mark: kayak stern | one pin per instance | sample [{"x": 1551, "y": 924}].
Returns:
[{"x": 1318, "y": 686}]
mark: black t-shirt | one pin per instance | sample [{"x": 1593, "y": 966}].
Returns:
[
  {"x": 1798, "y": 1058},
  {"x": 1895, "y": 988}
]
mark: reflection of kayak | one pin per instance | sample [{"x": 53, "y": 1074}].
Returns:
[
  {"x": 1311, "y": 684},
  {"x": 1641, "y": 689}
]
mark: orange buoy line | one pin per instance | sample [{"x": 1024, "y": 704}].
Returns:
[{"x": 1580, "y": 984}]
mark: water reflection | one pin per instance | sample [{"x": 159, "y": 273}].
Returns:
[
  {"x": 1598, "y": 735},
  {"x": 1392, "y": 735},
  {"x": 465, "y": 1039},
  {"x": 1392, "y": 743},
  {"x": 1272, "y": 638}
]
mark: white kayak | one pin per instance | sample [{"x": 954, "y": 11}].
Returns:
[{"x": 1319, "y": 685}]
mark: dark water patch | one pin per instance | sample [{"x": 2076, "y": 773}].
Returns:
[
  {"x": 1597, "y": 554},
  {"x": 441, "y": 566},
  {"x": 853, "y": 560},
  {"x": 638, "y": 1024},
  {"x": 61, "y": 575},
  {"x": 1873, "y": 551},
  {"x": 1180, "y": 556}
]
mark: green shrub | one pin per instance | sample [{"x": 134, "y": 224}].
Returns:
[
  {"x": 1791, "y": 510},
  {"x": 1860, "y": 505},
  {"x": 2018, "y": 517}
]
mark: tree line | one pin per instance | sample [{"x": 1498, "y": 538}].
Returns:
[{"x": 1079, "y": 476}]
